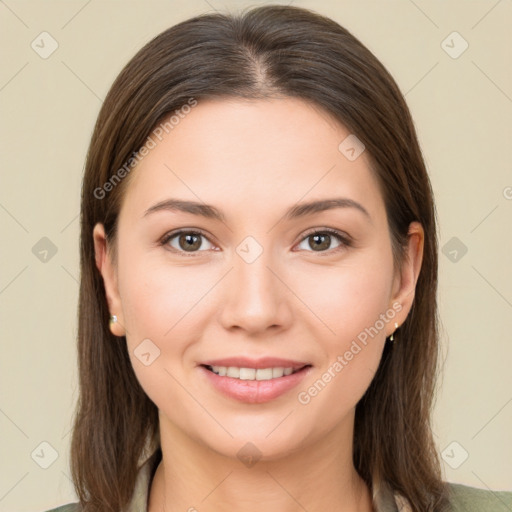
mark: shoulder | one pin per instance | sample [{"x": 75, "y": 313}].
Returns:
[
  {"x": 70, "y": 507},
  {"x": 471, "y": 499}
]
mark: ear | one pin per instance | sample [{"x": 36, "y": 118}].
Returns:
[
  {"x": 404, "y": 285},
  {"x": 109, "y": 274}
]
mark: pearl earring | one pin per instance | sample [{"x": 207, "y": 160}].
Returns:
[
  {"x": 392, "y": 337},
  {"x": 113, "y": 319}
]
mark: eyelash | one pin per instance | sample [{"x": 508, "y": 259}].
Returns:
[{"x": 344, "y": 239}]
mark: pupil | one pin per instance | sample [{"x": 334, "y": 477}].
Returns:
[
  {"x": 318, "y": 238},
  {"x": 190, "y": 241}
]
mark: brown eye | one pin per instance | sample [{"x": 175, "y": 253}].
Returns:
[
  {"x": 185, "y": 241},
  {"x": 321, "y": 241}
]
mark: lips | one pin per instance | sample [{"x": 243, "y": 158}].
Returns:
[{"x": 254, "y": 391}]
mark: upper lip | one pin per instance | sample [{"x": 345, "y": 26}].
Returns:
[{"x": 264, "y": 362}]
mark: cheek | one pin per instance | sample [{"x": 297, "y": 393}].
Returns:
[
  {"x": 167, "y": 304},
  {"x": 158, "y": 304},
  {"x": 159, "y": 298},
  {"x": 347, "y": 299},
  {"x": 353, "y": 303}
]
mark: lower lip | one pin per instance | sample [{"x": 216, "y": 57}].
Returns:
[{"x": 255, "y": 391}]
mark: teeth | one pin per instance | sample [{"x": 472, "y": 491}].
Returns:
[{"x": 251, "y": 373}]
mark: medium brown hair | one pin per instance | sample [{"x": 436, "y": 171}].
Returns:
[{"x": 267, "y": 52}]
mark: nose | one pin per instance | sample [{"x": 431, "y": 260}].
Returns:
[{"x": 256, "y": 297}]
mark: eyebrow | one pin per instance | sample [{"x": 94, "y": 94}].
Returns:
[{"x": 299, "y": 210}]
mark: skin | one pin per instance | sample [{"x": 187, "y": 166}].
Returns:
[{"x": 293, "y": 301}]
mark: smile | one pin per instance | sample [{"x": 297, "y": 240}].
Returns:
[
  {"x": 251, "y": 373},
  {"x": 253, "y": 385}
]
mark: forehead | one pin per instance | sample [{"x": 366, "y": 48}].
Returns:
[{"x": 251, "y": 155}]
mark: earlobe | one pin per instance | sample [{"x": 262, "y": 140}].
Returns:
[
  {"x": 410, "y": 271},
  {"x": 108, "y": 273}
]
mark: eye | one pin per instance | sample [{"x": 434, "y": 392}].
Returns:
[
  {"x": 191, "y": 241},
  {"x": 320, "y": 240},
  {"x": 185, "y": 241}
]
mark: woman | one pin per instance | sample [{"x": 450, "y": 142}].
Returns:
[{"x": 257, "y": 317}]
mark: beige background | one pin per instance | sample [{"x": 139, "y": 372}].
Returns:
[{"x": 463, "y": 111}]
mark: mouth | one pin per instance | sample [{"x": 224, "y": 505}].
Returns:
[
  {"x": 252, "y": 385},
  {"x": 254, "y": 374}
]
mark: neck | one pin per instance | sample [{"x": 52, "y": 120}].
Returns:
[{"x": 317, "y": 476}]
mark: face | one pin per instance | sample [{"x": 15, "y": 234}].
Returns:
[{"x": 255, "y": 276}]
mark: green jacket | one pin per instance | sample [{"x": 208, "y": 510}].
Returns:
[{"x": 463, "y": 497}]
